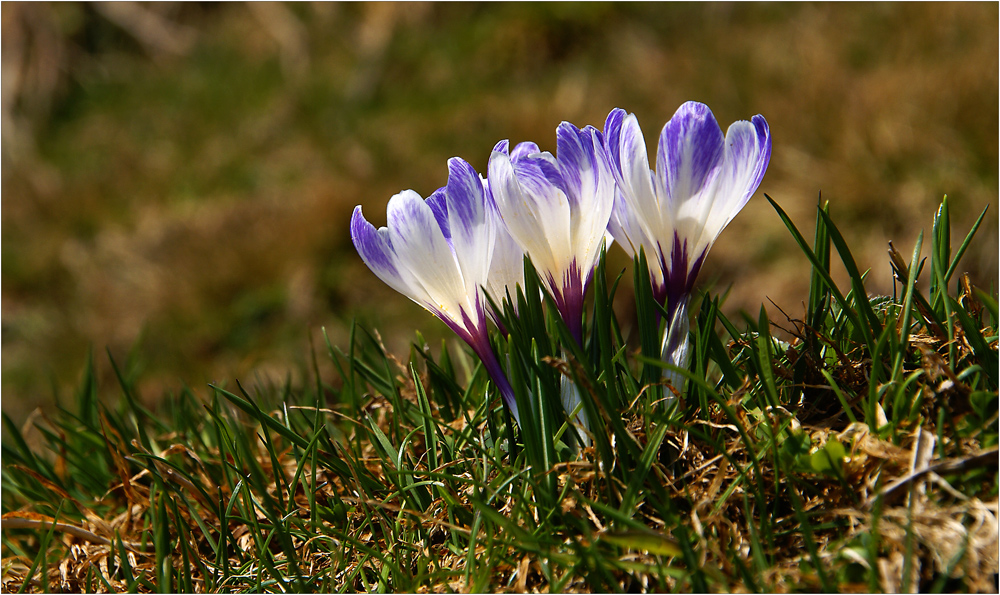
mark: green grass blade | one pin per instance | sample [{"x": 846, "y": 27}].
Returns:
[
  {"x": 980, "y": 348},
  {"x": 818, "y": 268}
]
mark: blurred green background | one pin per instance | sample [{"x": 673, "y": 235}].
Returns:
[{"x": 178, "y": 178}]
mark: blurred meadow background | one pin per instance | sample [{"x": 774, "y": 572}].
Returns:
[{"x": 178, "y": 178}]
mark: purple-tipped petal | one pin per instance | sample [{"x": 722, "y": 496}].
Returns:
[
  {"x": 465, "y": 197},
  {"x": 612, "y": 140},
  {"x": 636, "y": 179},
  {"x": 540, "y": 176},
  {"x": 522, "y": 150},
  {"x": 438, "y": 202},
  {"x": 375, "y": 248},
  {"x": 535, "y": 211},
  {"x": 764, "y": 145},
  {"x": 472, "y": 229},
  {"x": 631, "y": 235},
  {"x": 748, "y": 150},
  {"x": 506, "y": 270},
  {"x": 575, "y": 153},
  {"x": 690, "y": 152},
  {"x": 763, "y": 154},
  {"x": 620, "y": 226}
]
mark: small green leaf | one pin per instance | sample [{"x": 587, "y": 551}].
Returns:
[{"x": 829, "y": 460}]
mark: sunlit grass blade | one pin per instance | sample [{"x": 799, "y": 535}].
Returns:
[
  {"x": 821, "y": 269},
  {"x": 911, "y": 282}
]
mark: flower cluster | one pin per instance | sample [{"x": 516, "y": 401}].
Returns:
[{"x": 470, "y": 237}]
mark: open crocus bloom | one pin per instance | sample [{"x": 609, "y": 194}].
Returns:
[
  {"x": 557, "y": 209},
  {"x": 438, "y": 253},
  {"x": 675, "y": 214}
]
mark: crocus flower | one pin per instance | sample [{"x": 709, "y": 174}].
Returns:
[
  {"x": 437, "y": 252},
  {"x": 557, "y": 209},
  {"x": 675, "y": 213}
]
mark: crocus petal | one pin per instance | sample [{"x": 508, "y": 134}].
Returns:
[
  {"x": 522, "y": 150},
  {"x": 438, "y": 202},
  {"x": 472, "y": 234},
  {"x": 587, "y": 175},
  {"x": 748, "y": 151},
  {"x": 689, "y": 155},
  {"x": 621, "y": 225},
  {"x": 425, "y": 260},
  {"x": 376, "y": 251},
  {"x": 632, "y": 235},
  {"x": 626, "y": 148},
  {"x": 506, "y": 269},
  {"x": 576, "y": 161},
  {"x": 507, "y": 264},
  {"x": 612, "y": 139}
]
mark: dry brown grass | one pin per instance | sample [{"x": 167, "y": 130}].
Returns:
[{"x": 929, "y": 517}]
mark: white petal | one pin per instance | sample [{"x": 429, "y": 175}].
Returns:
[
  {"x": 689, "y": 162},
  {"x": 637, "y": 177},
  {"x": 472, "y": 232},
  {"x": 632, "y": 236},
  {"x": 591, "y": 209},
  {"x": 536, "y": 213},
  {"x": 425, "y": 259},
  {"x": 745, "y": 161},
  {"x": 506, "y": 268}
]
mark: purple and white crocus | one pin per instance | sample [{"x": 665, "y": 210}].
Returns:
[
  {"x": 438, "y": 252},
  {"x": 557, "y": 208},
  {"x": 675, "y": 213}
]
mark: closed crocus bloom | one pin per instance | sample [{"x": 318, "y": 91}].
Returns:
[
  {"x": 557, "y": 209},
  {"x": 702, "y": 180},
  {"x": 437, "y": 252}
]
